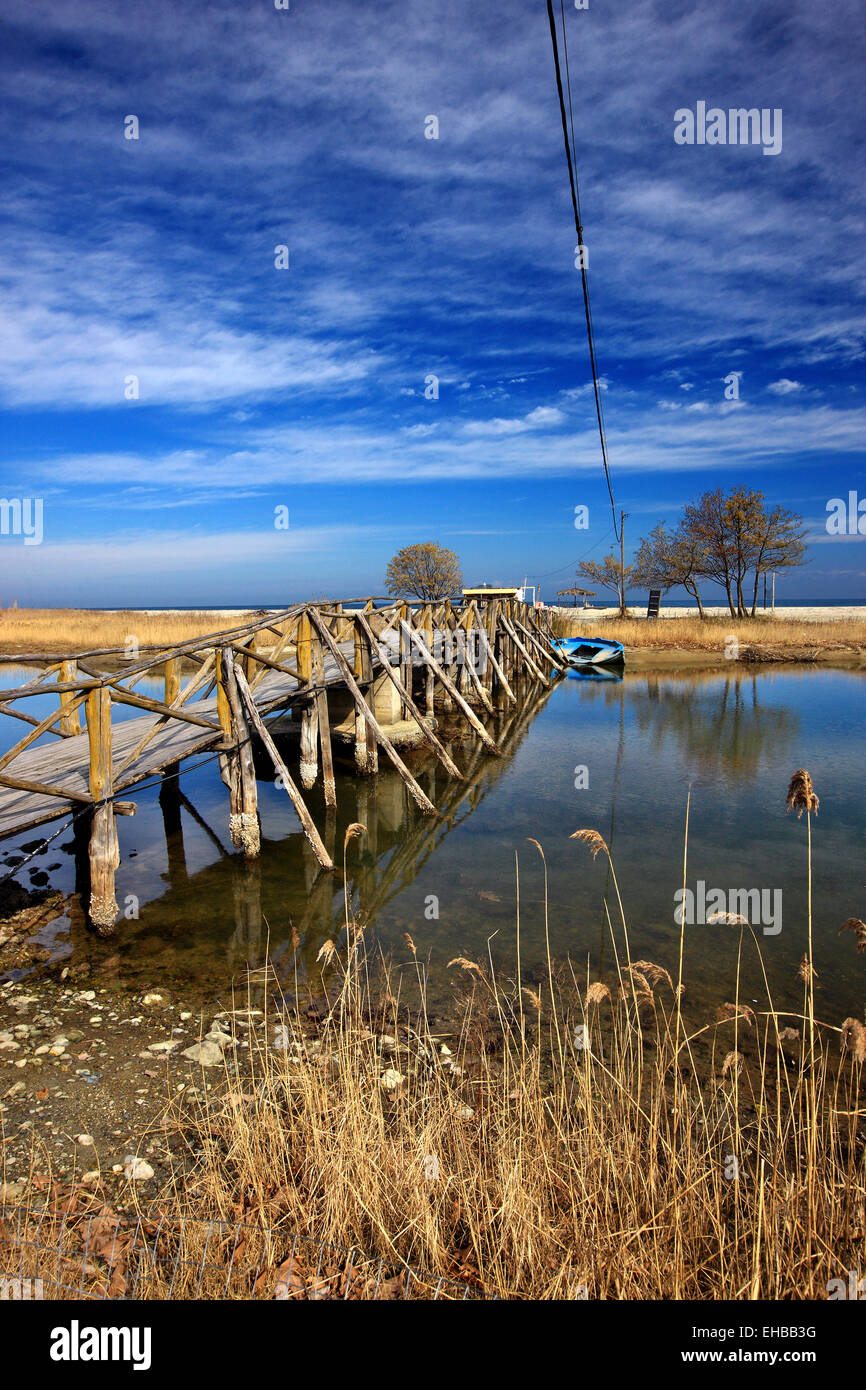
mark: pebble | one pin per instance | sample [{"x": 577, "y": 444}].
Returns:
[
  {"x": 390, "y": 1079},
  {"x": 135, "y": 1169},
  {"x": 85, "y": 1140},
  {"x": 207, "y": 1053}
]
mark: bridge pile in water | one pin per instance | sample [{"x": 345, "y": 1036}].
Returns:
[{"x": 348, "y": 671}]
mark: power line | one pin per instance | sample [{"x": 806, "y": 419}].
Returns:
[
  {"x": 575, "y": 201},
  {"x": 573, "y": 563}
]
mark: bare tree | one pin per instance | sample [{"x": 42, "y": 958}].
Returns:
[
  {"x": 668, "y": 560},
  {"x": 736, "y": 533},
  {"x": 610, "y": 574}
]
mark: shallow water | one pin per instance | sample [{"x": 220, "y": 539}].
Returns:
[{"x": 615, "y": 755}]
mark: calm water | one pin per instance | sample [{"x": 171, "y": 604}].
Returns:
[{"x": 634, "y": 747}]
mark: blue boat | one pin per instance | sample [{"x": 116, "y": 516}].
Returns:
[{"x": 591, "y": 651}]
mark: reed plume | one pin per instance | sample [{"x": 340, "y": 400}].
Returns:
[
  {"x": 855, "y": 925},
  {"x": 801, "y": 794},
  {"x": 593, "y": 840}
]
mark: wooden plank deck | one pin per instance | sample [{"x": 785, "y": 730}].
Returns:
[{"x": 65, "y": 763}]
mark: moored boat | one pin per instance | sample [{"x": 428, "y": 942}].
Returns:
[{"x": 591, "y": 651}]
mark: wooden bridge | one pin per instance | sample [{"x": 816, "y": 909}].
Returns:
[{"x": 350, "y": 671}]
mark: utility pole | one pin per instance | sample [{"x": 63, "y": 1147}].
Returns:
[{"x": 622, "y": 517}]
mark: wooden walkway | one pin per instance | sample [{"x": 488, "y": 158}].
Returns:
[
  {"x": 376, "y": 667},
  {"x": 67, "y": 764}
]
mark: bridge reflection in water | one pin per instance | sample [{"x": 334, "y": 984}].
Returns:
[{"x": 211, "y": 925}]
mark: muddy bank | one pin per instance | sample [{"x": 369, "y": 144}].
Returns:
[{"x": 683, "y": 659}]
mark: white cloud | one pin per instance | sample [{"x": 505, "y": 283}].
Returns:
[
  {"x": 545, "y": 415},
  {"x": 784, "y": 387},
  {"x": 418, "y": 431},
  {"x": 539, "y": 418}
]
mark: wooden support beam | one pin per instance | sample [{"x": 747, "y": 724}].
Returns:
[
  {"x": 430, "y": 679},
  {"x": 104, "y": 850},
  {"x": 294, "y": 795},
  {"x": 366, "y": 747},
  {"x": 26, "y": 784},
  {"x": 324, "y": 723},
  {"x": 413, "y": 709},
  {"x": 70, "y": 723},
  {"x": 197, "y": 680},
  {"x": 469, "y": 652},
  {"x": 539, "y": 676},
  {"x": 171, "y": 680},
  {"x": 540, "y": 647},
  {"x": 239, "y": 767},
  {"x": 417, "y": 792},
  {"x": 121, "y": 697},
  {"x": 455, "y": 695},
  {"x": 497, "y": 669},
  {"x": 309, "y": 709},
  {"x": 405, "y": 657}
]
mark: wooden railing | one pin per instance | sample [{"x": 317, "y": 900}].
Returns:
[{"x": 457, "y": 657}]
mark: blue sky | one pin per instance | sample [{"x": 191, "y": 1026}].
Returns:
[{"x": 304, "y": 388}]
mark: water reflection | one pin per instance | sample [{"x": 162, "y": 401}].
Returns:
[
  {"x": 721, "y": 725},
  {"x": 232, "y": 913},
  {"x": 735, "y": 736}
]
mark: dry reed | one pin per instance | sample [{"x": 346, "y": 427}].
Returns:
[
  {"x": 714, "y": 634},
  {"x": 596, "y": 1145},
  {"x": 64, "y": 630}
]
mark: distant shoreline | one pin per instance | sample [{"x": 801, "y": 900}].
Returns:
[{"x": 808, "y": 613}]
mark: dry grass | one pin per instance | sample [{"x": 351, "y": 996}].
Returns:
[
  {"x": 713, "y": 634},
  {"x": 62, "y": 630},
  {"x": 573, "y": 1138}
]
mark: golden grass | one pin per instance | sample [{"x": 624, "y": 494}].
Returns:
[
  {"x": 569, "y": 1138},
  {"x": 62, "y": 630},
  {"x": 712, "y": 634}
]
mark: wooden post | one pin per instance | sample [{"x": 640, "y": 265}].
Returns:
[
  {"x": 366, "y": 744},
  {"x": 70, "y": 722},
  {"x": 360, "y": 721},
  {"x": 171, "y": 680},
  {"x": 412, "y": 708},
  {"x": 494, "y": 639},
  {"x": 406, "y": 652},
  {"x": 482, "y": 628},
  {"x": 456, "y": 696},
  {"x": 324, "y": 723},
  {"x": 464, "y": 655},
  {"x": 372, "y": 723},
  {"x": 248, "y": 658},
  {"x": 295, "y": 797},
  {"x": 104, "y": 850},
  {"x": 526, "y": 654},
  {"x": 429, "y": 692},
  {"x": 309, "y": 711},
  {"x": 447, "y": 651},
  {"x": 240, "y": 772}
]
